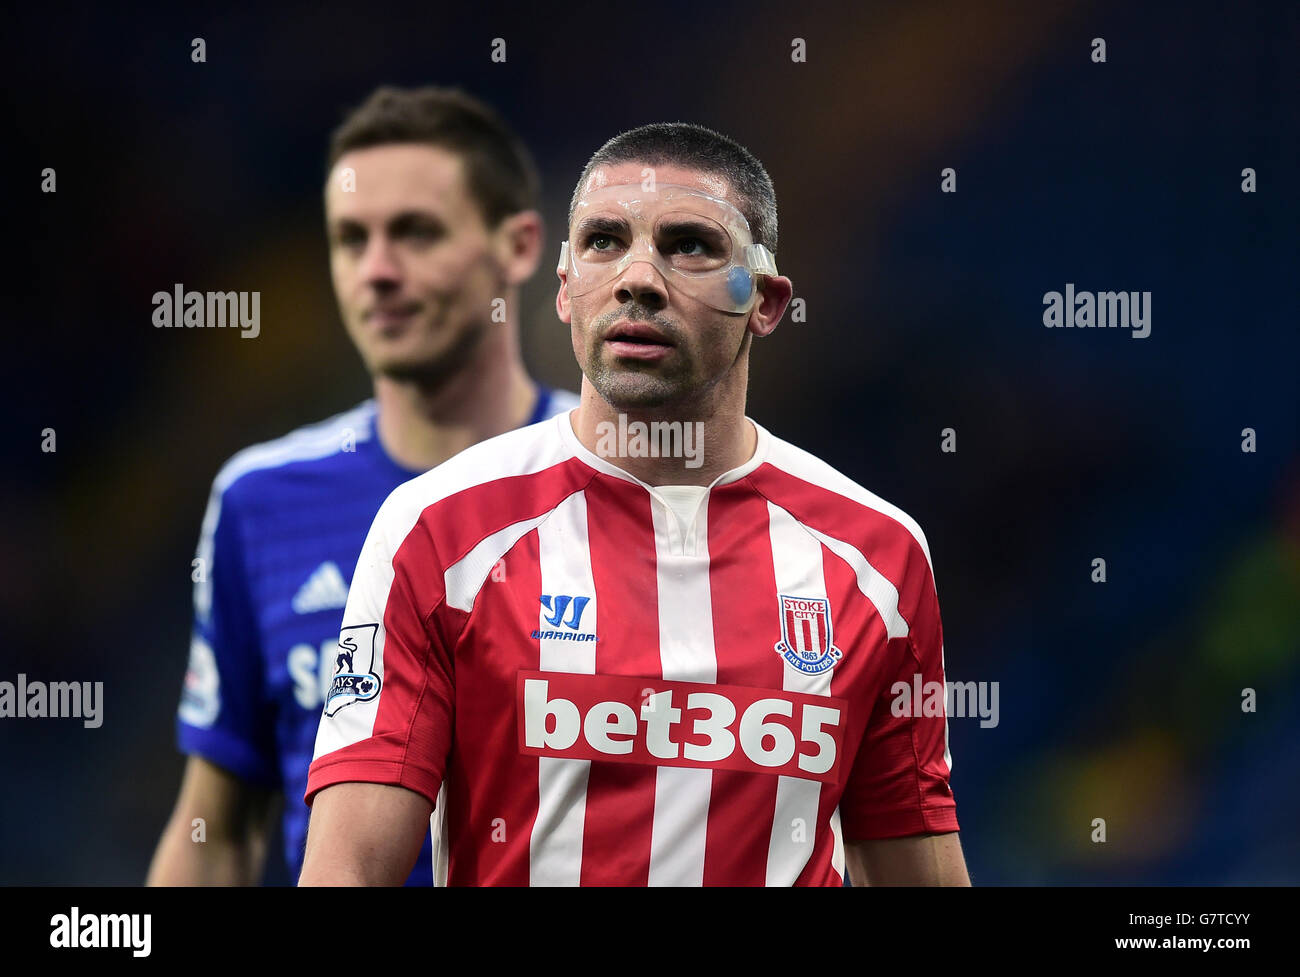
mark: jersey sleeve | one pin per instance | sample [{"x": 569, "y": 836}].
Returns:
[
  {"x": 388, "y": 713},
  {"x": 224, "y": 713},
  {"x": 899, "y": 784}
]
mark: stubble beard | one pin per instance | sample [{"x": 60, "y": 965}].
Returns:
[
  {"x": 630, "y": 388},
  {"x": 631, "y": 384}
]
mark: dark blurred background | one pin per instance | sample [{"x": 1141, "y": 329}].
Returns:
[{"x": 1119, "y": 700}]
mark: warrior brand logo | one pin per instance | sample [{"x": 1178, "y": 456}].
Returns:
[
  {"x": 625, "y": 719},
  {"x": 561, "y": 602},
  {"x": 557, "y": 606},
  {"x": 806, "y": 634},
  {"x": 354, "y": 681}
]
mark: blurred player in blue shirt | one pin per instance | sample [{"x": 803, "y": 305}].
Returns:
[{"x": 430, "y": 208}]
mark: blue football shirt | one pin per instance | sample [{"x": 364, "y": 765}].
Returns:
[{"x": 281, "y": 536}]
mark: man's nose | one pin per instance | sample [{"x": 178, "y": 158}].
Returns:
[
  {"x": 379, "y": 264},
  {"x": 642, "y": 282}
]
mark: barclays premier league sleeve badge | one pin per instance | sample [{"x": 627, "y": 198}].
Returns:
[{"x": 355, "y": 678}]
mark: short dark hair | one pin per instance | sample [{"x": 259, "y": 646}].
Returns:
[
  {"x": 701, "y": 148},
  {"x": 499, "y": 170}
]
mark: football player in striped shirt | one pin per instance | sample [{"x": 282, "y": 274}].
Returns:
[
  {"x": 431, "y": 215},
  {"x": 686, "y": 673}
]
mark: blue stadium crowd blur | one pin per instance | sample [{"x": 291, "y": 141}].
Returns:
[{"x": 1119, "y": 701}]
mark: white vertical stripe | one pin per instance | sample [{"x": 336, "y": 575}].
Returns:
[
  {"x": 555, "y": 847},
  {"x": 797, "y": 557},
  {"x": 686, "y": 654}
]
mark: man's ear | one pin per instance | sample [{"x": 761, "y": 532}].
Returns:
[
  {"x": 517, "y": 246},
  {"x": 775, "y": 292},
  {"x": 563, "y": 306}
]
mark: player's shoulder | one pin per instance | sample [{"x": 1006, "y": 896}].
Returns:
[
  {"x": 478, "y": 473},
  {"x": 253, "y": 469},
  {"x": 812, "y": 489}
]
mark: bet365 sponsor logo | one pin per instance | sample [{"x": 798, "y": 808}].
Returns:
[{"x": 626, "y": 719}]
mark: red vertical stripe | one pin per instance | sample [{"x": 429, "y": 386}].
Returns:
[
  {"x": 620, "y": 796},
  {"x": 746, "y": 628},
  {"x": 492, "y": 789}
]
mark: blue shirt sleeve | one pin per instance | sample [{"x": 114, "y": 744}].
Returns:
[{"x": 224, "y": 713}]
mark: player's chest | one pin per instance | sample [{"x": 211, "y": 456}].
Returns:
[
  {"x": 724, "y": 619},
  {"x": 687, "y": 661}
]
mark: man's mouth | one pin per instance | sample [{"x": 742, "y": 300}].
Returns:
[
  {"x": 392, "y": 314},
  {"x": 625, "y": 333},
  {"x": 637, "y": 341}
]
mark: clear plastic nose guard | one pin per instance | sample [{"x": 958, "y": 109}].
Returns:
[{"x": 700, "y": 244}]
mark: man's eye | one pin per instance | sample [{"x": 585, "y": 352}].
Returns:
[
  {"x": 422, "y": 234},
  {"x": 600, "y": 242},
  {"x": 692, "y": 247},
  {"x": 350, "y": 238}
]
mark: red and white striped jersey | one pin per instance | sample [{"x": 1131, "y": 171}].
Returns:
[{"x": 594, "y": 691}]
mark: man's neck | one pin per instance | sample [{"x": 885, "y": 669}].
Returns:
[
  {"x": 421, "y": 427},
  {"x": 714, "y": 438}
]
